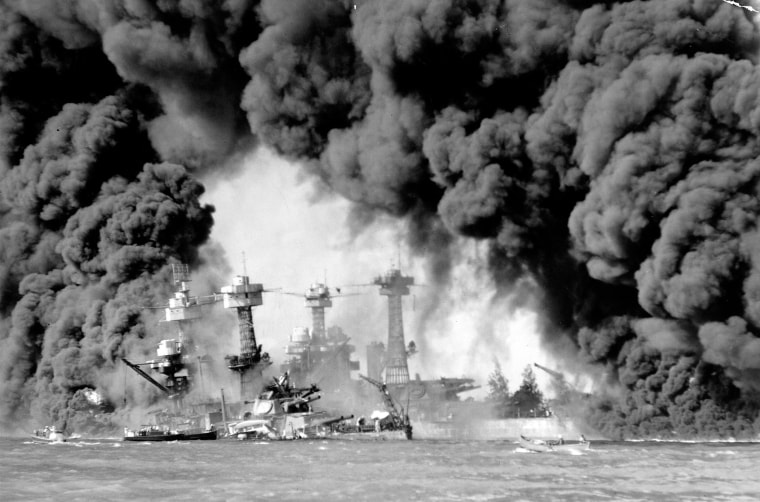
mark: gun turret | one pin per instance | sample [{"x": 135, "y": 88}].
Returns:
[
  {"x": 297, "y": 404},
  {"x": 330, "y": 421},
  {"x": 311, "y": 391},
  {"x": 305, "y": 400}
]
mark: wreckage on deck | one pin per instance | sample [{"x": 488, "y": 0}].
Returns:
[{"x": 282, "y": 411}]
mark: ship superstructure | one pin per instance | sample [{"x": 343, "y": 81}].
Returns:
[
  {"x": 426, "y": 398},
  {"x": 175, "y": 356},
  {"x": 318, "y": 298},
  {"x": 319, "y": 354},
  {"x": 177, "y": 361}
]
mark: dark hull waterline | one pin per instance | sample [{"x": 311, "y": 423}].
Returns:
[{"x": 198, "y": 436}]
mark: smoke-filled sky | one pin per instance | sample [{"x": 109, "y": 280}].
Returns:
[{"x": 596, "y": 161}]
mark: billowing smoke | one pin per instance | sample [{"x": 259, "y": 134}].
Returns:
[
  {"x": 94, "y": 203},
  {"x": 605, "y": 151}
]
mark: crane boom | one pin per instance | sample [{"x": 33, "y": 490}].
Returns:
[
  {"x": 146, "y": 376},
  {"x": 563, "y": 388},
  {"x": 555, "y": 374},
  {"x": 390, "y": 405}
]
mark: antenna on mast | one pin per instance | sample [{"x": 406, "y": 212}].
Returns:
[
  {"x": 245, "y": 272},
  {"x": 398, "y": 251}
]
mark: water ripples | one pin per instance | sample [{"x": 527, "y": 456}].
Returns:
[{"x": 389, "y": 470}]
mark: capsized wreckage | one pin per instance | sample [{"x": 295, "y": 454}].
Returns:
[{"x": 283, "y": 411}]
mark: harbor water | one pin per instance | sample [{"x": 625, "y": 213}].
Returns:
[{"x": 334, "y": 470}]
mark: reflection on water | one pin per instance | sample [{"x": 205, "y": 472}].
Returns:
[{"x": 381, "y": 470}]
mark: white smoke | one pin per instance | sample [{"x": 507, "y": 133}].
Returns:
[{"x": 291, "y": 241}]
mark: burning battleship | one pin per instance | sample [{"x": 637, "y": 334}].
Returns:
[
  {"x": 319, "y": 354},
  {"x": 324, "y": 355},
  {"x": 281, "y": 410},
  {"x": 614, "y": 173},
  {"x": 176, "y": 362},
  {"x": 435, "y": 407}
]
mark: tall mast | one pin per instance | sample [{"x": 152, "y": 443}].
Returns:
[
  {"x": 395, "y": 286},
  {"x": 243, "y": 296},
  {"x": 318, "y": 299},
  {"x": 173, "y": 355}
]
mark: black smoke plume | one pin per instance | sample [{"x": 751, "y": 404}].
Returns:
[
  {"x": 606, "y": 151},
  {"x": 94, "y": 205}
]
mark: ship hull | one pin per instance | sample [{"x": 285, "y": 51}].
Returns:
[
  {"x": 498, "y": 429},
  {"x": 397, "y": 435},
  {"x": 180, "y": 436},
  {"x": 349, "y": 432}
]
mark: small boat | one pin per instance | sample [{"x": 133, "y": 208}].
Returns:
[
  {"x": 158, "y": 434},
  {"x": 50, "y": 434},
  {"x": 391, "y": 423},
  {"x": 383, "y": 426},
  {"x": 543, "y": 446},
  {"x": 354, "y": 433}
]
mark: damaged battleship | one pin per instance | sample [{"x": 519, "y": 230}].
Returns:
[
  {"x": 282, "y": 408},
  {"x": 279, "y": 411}
]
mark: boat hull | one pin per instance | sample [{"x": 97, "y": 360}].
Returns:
[
  {"x": 552, "y": 446},
  {"x": 50, "y": 434},
  {"x": 52, "y": 438},
  {"x": 180, "y": 436},
  {"x": 351, "y": 431},
  {"x": 395, "y": 435}
]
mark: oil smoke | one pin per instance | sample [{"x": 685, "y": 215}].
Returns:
[{"x": 606, "y": 151}]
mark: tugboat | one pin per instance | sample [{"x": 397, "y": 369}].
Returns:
[
  {"x": 176, "y": 426},
  {"x": 282, "y": 411},
  {"x": 154, "y": 433}
]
